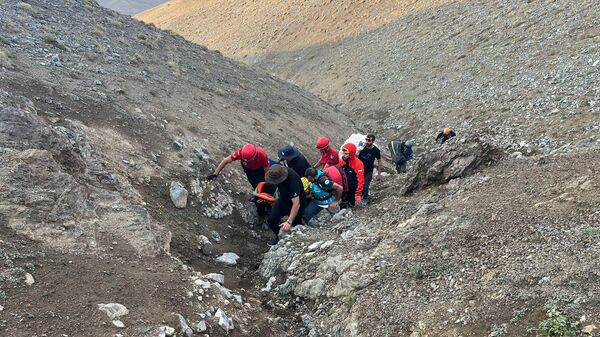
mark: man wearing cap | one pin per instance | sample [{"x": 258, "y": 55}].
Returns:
[
  {"x": 292, "y": 157},
  {"x": 329, "y": 156},
  {"x": 325, "y": 192},
  {"x": 292, "y": 200},
  {"x": 254, "y": 162}
]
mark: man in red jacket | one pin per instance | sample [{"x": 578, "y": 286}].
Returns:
[
  {"x": 329, "y": 157},
  {"x": 355, "y": 174},
  {"x": 254, "y": 162}
]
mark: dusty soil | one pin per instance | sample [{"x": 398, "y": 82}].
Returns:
[{"x": 275, "y": 26}]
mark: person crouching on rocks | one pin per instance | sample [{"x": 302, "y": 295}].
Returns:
[
  {"x": 354, "y": 170},
  {"x": 444, "y": 135},
  {"x": 291, "y": 202},
  {"x": 325, "y": 192}
]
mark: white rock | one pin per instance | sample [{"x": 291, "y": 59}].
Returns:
[
  {"x": 314, "y": 246},
  {"x": 184, "y": 327},
  {"x": 113, "y": 310},
  {"x": 166, "y": 331},
  {"x": 1, "y": 308},
  {"x": 238, "y": 299},
  {"x": 215, "y": 277},
  {"x": 224, "y": 291},
  {"x": 224, "y": 322},
  {"x": 200, "y": 326},
  {"x": 118, "y": 324},
  {"x": 229, "y": 259},
  {"x": 202, "y": 284},
  {"x": 269, "y": 284},
  {"x": 178, "y": 194},
  {"x": 29, "y": 280},
  {"x": 326, "y": 244}
]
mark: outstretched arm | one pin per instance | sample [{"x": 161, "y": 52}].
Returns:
[{"x": 226, "y": 161}]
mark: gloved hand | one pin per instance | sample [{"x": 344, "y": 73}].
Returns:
[
  {"x": 357, "y": 201},
  {"x": 211, "y": 177}
]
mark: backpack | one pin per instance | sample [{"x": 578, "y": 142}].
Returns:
[
  {"x": 344, "y": 178},
  {"x": 396, "y": 148}
]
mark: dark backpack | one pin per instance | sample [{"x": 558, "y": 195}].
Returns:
[{"x": 396, "y": 148}]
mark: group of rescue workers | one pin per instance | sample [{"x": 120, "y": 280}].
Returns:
[{"x": 294, "y": 188}]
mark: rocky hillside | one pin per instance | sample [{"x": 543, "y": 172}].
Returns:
[
  {"x": 100, "y": 117},
  {"x": 129, "y": 7},
  {"x": 496, "y": 232},
  {"x": 524, "y": 71},
  {"x": 275, "y": 26},
  {"x": 484, "y": 246}
]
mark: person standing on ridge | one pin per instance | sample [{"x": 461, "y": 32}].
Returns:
[
  {"x": 354, "y": 170},
  {"x": 291, "y": 157},
  {"x": 444, "y": 135},
  {"x": 292, "y": 200},
  {"x": 329, "y": 157},
  {"x": 368, "y": 155}
]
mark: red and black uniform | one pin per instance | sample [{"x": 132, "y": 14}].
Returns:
[
  {"x": 354, "y": 170},
  {"x": 329, "y": 157},
  {"x": 255, "y": 167}
]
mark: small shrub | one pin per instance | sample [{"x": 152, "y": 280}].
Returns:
[
  {"x": 136, "y": 59},
  {"x": 350, "y": 300},
  {"x": 5, "y": 59},
  {"x": 559, "y": 325},
  {"x": 4, "y": 39},
  {"x": 591, "y": 232},
  {"x": 50, "y": 38},
  {"x": 25, "y": 7},
  {"x": 99, "y": 31}
]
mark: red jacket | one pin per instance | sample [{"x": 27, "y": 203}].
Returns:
[{"x": 357, "y": 166}]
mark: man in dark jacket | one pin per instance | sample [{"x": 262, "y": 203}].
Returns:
[
  {"x": 292, "y": 157},
  {"x": 292, "y": 200}
]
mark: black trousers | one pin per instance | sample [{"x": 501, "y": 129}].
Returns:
[
  {"x": 254, "y": 178},
  {"x": 281, "y": 209}
]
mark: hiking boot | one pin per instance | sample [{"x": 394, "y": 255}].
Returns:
[{"x": 273, "y": 242}]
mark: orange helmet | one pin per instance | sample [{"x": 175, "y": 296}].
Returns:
[
  {"x": 248, "y": 151},
  {"x": 322, "y": 143},
  {"x": 446, "y": 131}
]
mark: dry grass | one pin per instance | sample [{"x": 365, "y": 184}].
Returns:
[
  {"x": 5, "y": 59},
  {"x": 25, "y": 7}
]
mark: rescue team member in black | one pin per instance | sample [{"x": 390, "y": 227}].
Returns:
[
  {"x": 292, "y": 200},
  {"x": 368, "y": 155},
  {"x": 291, "y": 157}
]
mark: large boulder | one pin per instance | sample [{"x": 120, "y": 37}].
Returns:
[{"x": 454, "y": 159}]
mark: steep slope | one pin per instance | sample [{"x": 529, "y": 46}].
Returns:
[
  {"x": 526, "y": 71},
  {"x": 99, "y": 114},
  {"x": 521, "y": 70},
  {"x": 129, "y": 7},
  {"x": 275, "y": 26},
  {"x": 486, "y": 254}
]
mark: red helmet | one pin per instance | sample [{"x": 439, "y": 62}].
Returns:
[
  {"x": 248, "y": 151},
  {"x": 322, "y": 143}
]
